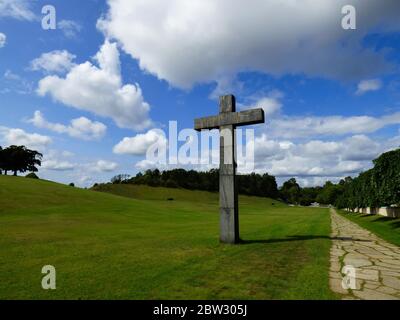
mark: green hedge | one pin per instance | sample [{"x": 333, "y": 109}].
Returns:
[{"x": 377, "y": 187}]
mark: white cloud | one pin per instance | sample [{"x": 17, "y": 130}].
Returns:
[
  {"x": 226, "y": 84},
  {"x": 317, "y": 158},
  {"x": 3, "y": 39},
  {"x": 100, "y": 90},
  {"x": 360, "y": 148},
  {"x": 271, "y": 103},
  {"x": 81, "y": 128},
  {"x": 57, "y": 165},
  {"x": 105, "y": 166},
  {"x": 139, "y": 144},
  {"x": 69, "y": 28},
  {"x": 147, "y": 164},
  {"x": 54, "y": 61},
  {"x": 368, "y": 85},
  {"x": 296, "y": 163},
  {"x": 300, "y": 127},
  {"x": 17, "y": 9},
  {"x": 270, "y": 149},
  {"x": 11, "y": 136},
  {"x": 204, "y": 40},
  {"x": 317, "y": 148}
]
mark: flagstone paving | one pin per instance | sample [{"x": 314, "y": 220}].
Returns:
[{"x": 374, "y": 262}]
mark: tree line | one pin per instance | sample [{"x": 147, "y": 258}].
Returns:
[
  {"x": 260, "y": 185},
  {"x": 292, "y": 193},
  {"x": 253, "y": 184},
  {"x": 19, "y": 159},
  {"x": 377, "y": 187}
]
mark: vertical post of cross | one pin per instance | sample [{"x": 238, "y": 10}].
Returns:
[
  {"x": 229, "y": 213},
  {"x": 227, "y": 121}
]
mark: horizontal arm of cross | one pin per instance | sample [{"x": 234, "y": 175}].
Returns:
[{"x": 248, "y": 117}]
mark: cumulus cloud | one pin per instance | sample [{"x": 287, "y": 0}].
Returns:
[
  {"x": 17, "y": 9},
  {"x": 300, "y": 127},
  {"x": 69, "y": 28},
  {"x": 139, "y": 144},
  {"x": 105, "y": 166},
  {"x": 55, "y": 160},
  {"x": 100, "y": 90},
  {"x": 16, "y": 136},
  {"x": 81, "y": 128},
  {"x": 368, "y": 85},
  {"x": 3, "y": 39},
  {"x": 361, "y": 148},
  {"x": 318, "y": 158},
  {"x": 204, "y": 40},
  {"x": 57, "y": 165},
  {"x": 271, "y": 103},
  {"x": 54, "y": 61}
]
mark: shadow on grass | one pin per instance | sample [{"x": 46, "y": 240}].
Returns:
[
  {"x": 301, "y": 238},
  {"x": 394, "y": 223}
]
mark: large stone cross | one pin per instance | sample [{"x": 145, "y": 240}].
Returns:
[{"x": 227, "y": 121}]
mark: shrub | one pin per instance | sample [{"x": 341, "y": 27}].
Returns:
[
  {"x": 32, "y": 175},
  {"x": 72, "y": 184}
]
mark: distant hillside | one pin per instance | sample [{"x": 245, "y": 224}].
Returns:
[
  {"x": 19, "y": 193},
  {"x": 172, "y": 194}
]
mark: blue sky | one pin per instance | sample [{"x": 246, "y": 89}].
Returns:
[{"x": 113, "y": 72}]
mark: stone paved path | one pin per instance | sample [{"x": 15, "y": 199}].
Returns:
[{"x": 376, "y": 263}]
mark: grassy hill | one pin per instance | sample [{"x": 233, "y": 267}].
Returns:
[
  {"x": 182, "y": 195},
  {"x": 142, "y": 246}
]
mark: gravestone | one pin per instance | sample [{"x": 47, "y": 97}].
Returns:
[{"x": 227, "y": 121}]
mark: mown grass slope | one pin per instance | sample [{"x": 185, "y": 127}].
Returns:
[{"x": 145, "y": 247}]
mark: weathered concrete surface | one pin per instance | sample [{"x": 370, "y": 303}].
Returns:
[
  {"x": 238, "y": 119},
  {"x": 228, "y": 195},
  {"x": 375, "y": 261},
  {"x": 227, "y": 121}
]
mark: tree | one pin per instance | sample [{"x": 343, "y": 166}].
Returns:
[
  {"x": 379, "y": 186},
  {"x": 250, "y": 184},
  {"x": 32, "y": 176},
  {"x": 309, "y": 195},
  {"x": 291, "y": 191},
  {"x": 120, "y": 178},
  {"x": 385, "y": 179},
  {"x": 19, "y": 159},
  {"x": 2, "y": 160}
]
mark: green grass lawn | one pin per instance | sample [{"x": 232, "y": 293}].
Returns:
[
  {"x": 145, "y": 247},
  {"x": 384, "y": 227}
]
